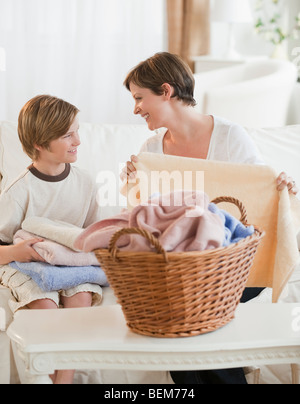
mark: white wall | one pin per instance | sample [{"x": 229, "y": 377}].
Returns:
[
  {"x": 294, "y": 45},
  {"x": 79, "y": 50},
  {"x": 247, "y": 41}
]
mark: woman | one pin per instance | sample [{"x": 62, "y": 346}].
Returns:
[{"x": 163, "y": 88}]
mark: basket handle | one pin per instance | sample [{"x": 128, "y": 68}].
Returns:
[
  {"x": 113, "y": 249},
  {"x": 236, "y": 202}
]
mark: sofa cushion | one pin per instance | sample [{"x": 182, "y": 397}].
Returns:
[{"x": 12, "y": 158}]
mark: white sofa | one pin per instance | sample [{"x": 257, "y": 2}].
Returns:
[
  {"x": 255, "y": 94},
  {"x": 103, "y": 151},
  {"x": 293, "y": 112}
]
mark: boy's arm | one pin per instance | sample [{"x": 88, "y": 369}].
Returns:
[
  {"x": 22, "y": 252},
  {"x": 6, "y": 255},
  {"x": 11, "y": 217}
]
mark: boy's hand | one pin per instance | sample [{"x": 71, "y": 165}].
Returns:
[{"x": 24, "y": 252}]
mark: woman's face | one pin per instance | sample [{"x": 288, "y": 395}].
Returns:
[{"x": 151, "y": 107}]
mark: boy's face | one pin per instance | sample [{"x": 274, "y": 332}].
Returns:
[{"x": 63, "y": 149}]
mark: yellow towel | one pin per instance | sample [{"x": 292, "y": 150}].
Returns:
[{"x": 277, "y": 213}]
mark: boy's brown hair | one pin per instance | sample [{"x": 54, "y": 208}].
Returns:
[
  {"x": 162, "y": 68},
  {"x": 43, "y": 119}
]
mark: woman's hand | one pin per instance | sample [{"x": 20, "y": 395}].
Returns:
[
  {"x": 129, "y": 171},
  {"x": 284, "y": 181},
  {"x": 24, "y": 251}
]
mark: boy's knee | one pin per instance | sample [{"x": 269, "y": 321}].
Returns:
[
  {"x": 42, "y": 304},
  {"x": 85, "y": 298},
  {"x": 81, "y": 299}
]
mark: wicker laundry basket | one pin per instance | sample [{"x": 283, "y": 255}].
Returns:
[{"x": 179, "y": 294}]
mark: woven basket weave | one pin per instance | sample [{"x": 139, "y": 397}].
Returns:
[{"x": 179, "y": 294}]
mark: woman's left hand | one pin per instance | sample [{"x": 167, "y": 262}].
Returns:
[{"x": 284, "y": 180}]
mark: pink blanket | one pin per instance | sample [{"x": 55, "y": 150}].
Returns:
[
  {"x": 181, "y": 221},
  {"x": 57, "y": 254}
]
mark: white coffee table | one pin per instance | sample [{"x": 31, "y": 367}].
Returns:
[{"x": 98, "y": 338}]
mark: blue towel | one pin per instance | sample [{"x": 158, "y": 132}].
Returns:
[
  {"x": 50, "y": 278},
  {"x": 234, "y": 229}
]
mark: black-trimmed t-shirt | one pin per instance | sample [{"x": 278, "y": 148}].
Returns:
[{"x": 70, "y": 197}]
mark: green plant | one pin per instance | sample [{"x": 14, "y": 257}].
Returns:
[{"x": 270, "y": 22}]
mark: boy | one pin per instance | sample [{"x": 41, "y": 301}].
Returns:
[{"x": 50, "y": 188}]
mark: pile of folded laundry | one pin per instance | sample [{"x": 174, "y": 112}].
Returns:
[
  {"x": 63, "y": 266},
  {"x": 181, "y": 220}
]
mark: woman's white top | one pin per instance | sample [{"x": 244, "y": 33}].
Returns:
[{"x": 229, "y": 142}]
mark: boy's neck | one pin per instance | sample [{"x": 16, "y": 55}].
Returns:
[{"x": 52, "y": 170}]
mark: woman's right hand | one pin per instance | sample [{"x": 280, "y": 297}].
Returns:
[
  {"x": 24, "y": 251},
  {"x": 129, "y": 171}
]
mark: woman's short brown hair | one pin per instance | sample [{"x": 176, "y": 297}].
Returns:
[
  {"x": 43, "y": 119},
  {"x": 162, "y": 68}
]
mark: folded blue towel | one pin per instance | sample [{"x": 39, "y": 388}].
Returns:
[
  {"x": 234, "y": 229},
  {"x": 50, "y": 278}
]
